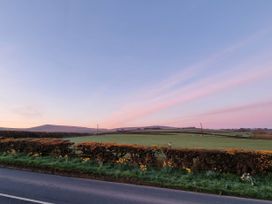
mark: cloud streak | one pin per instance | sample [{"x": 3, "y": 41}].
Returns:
[
  {"x": 191, "y": 71},
  {"x": 241, "y": 108},
  {"x": 175, "y": 91},
  {"x": 28, "y": 112},
  {"x": 225, "y": 111},
  {"x": 200, "y": 90}
]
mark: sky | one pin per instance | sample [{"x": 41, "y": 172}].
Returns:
[{"x": 136, "y": 63}]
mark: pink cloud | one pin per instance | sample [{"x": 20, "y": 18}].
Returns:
[
  {"x": 240, "y": 108},
  {"x": 245, "y": 118},
  {"x": 191, "y": 71},
  {"x": 188, "y": 94},
  {"x": 165, "y": 94},
  {"x": 258, "y": 114}
]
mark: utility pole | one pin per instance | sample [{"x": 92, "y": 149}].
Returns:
[
  {"x": 97, "y": 128},
  {"x": 201, "y": 129}
]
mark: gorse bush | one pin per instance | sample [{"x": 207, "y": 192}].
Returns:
[
  {"x": 227, "y": 161},
  {"x": 231, "y": 161},
  {"x": 111, "y": 153},
  {"x": 28, "y": 134},
  {"x": 43, "y": 147}
]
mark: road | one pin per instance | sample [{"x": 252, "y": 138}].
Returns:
[{"x": 26, "y": 187}]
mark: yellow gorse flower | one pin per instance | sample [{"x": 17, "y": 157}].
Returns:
[
  {"x": 188, "y": 170},
  {"x": 122, "y": 160},
  {"x": 85, "y": 159},
  {"x": 143, "y": 167},
  {"x": 168, "y": 164}
]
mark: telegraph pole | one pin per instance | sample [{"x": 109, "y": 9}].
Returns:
[
  {"x": 97, "y": 129},
  {"x": 201, "y": 129}
]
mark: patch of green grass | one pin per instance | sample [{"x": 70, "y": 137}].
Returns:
[
  {"x": 181, "y": 140},
  {"x": 228, "y": 184},
  {"x": 235, "y": 134}
]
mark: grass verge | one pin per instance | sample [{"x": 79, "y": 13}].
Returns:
[{"x": 210, "y": 182}]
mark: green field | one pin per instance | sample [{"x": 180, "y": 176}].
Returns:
[{"x": 180, "y": 140}]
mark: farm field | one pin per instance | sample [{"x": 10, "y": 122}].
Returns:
[{"x": 180, "y": 140}]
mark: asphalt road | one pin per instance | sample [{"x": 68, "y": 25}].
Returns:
[{"x": 28, "y": 187}]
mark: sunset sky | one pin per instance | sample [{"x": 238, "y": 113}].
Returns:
[{"x": 136, "y": 63}]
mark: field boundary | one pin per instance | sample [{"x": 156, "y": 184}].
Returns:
[{"x": 76, "y": 173}]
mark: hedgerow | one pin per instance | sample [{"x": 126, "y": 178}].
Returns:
[
  {"x": 28, "y": 134},
  {"x": 230, "y": 161},
  {"x": 226, "y": 161},
  {"x": 111, "y": 153},
  {"x": 43, "y": 147}
]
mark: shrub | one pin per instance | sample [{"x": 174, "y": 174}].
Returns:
[
  {"x": 28, "y": 134},
  {"x": 111, "y": 153},
  {"x": 45, "y": 146},
  {"x": 229, "y": 161}
]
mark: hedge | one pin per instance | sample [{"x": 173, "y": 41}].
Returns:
[
  {"x": 28, "y": 134},
  {"x": 43, "y": 147},
  {"x": 228, "y": 161},
  {"x": 111, "y": 153}
]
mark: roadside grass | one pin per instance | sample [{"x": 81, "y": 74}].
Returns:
[
  {"x": 180, "y": 140},
  {"x": 211, "y": 182}
]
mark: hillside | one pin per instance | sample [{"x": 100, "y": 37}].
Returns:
[{"x": 61, "y": 128}]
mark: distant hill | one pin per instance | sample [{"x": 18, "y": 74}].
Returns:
[
  {"x": 11, "y": 129},
  {"x": 55, "y": 128},
  {"x": 51, "y": 128},
  {"x": 62, "y": 128},
  {"x": 154, "y": 127},
  {"x": 77, "y": 129}
]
